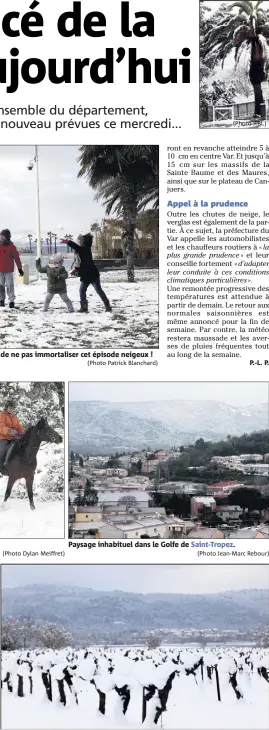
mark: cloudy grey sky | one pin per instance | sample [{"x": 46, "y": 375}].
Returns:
[
  {"x": 231, "y": 393},
  {"x": 142, "y": 578},
  {"x": 67, "y": 203}
]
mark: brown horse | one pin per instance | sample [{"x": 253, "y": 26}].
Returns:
[{"x": 21, "y": 462}]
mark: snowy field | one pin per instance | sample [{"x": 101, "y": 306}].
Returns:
[
  {"x": 188, "y": 689},
  {"x": 132, "y": 323},
  {"x": 17, "y": 520}
]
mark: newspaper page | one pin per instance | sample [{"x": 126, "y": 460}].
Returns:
[{"x": 134, "y": 354}]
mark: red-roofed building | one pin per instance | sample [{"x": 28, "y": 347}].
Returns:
[{"x": 223, "y": 489}]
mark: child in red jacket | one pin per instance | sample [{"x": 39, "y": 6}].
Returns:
[{"x": 8, "y": 254}]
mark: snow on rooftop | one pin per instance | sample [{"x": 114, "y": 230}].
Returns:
[
  {"x": 154, "y": 510},
  {"x": 126, "y": 526},
  {"x": 207, "y": 501},
  {"x": 90, "y": 508},
  {"x": 230, "y": 508},
  {"x": 88, "y": 526},
  {"x": 115, "y": 496},
  {"x": 225, "y": 484},
  {"x": 203, "y": 532},
  {"x": 250, "y": 532},
  {"x": 150, "y": 523}
]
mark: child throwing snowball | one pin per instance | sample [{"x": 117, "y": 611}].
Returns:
[{"x": 56, "y": 280}]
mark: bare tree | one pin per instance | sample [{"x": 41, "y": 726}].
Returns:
[
  {"x": 152, "y": 641},
  {"x": 129, "y": 501}
]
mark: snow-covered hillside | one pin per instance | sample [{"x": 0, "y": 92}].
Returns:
[
  {"x": 96, "y": 427},
  {"x": 210, "y": 415},
  {"x": 220, "y": 689},
  {"x": 157, "y": 424},
  {"x": 116, "y": 616}
]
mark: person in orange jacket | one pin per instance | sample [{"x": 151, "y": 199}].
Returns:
[
  {"x": 8, "y": 254},
  {"x": 10, "y": 429}
]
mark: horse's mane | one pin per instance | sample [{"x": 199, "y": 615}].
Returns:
[{"x": 22, "y": 442}]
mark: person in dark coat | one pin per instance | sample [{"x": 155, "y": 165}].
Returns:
[{"x": 88, "y": 272}]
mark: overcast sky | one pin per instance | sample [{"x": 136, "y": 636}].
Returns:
[
  {"x": 67, "y": 203},
  {"x": 231, "y": 393},
  {"x": 142, "y": 578}
]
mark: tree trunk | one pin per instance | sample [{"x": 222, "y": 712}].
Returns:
[
  {"x": 259, "y": 100},
  {"x": 217, "y": 683},
  {"x": 59, "y": 387},
  {"x": 128, "y": 245},
  {"x": 129, "y": 220},
  {"x": 130, "y": 265}
]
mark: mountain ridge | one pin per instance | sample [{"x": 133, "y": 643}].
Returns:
[
  {"x": 101, "y": 427},
  {"x": 88, "y": 612}
]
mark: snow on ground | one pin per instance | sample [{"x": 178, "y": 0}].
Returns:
[
  {"x": 192, "y": 700},
  {"x": 133, "y": 322},
  {"x": 17, "y": 520}
]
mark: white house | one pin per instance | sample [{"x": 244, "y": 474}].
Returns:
[
  {"x": 134, "y": 529},
  {"x": 162, "y": 455},
  {"x": 149, "y": 466},
  {"x": 230, "y": 512},
  {"x": 262, "y": 469},
  {"x": 175, "y": 527},
  {"x": 136, "y": 526},
  {"x": 125, "y": 461},
  {"x": 88, "y": 529},
  {"x": 116, "y": 472}
]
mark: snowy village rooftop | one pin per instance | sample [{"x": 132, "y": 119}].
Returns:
[{"x": 116, "y": 496}]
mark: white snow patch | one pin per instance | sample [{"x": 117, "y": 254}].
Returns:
[
  {"x": 192, "y": 702},
  {"x": 17, "y": 520},
  {"x": 132, "y": 323}
]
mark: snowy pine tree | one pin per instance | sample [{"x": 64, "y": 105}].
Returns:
[
  {"x": 90, "y": 496},
  {"x": 34, "y": 400}
]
